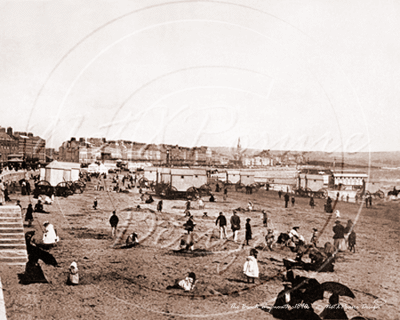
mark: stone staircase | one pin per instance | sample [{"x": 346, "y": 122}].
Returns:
[{"x": 12, "y": 238}]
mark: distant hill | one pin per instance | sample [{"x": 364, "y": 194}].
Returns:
[{"x": 378, "y": 159}]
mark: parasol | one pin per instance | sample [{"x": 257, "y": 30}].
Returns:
[
  {"x": 338, "y": 288},
  {"x": 309, "y": 289}
]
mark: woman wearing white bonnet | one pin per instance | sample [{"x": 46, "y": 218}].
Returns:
[
  {"x": 50, "y": 236},
  {"x": 337, "y": 212}
]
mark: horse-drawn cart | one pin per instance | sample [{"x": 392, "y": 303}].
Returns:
[
  {"x": 307, "y": 192},
  {"x": 43, "y": 187}
]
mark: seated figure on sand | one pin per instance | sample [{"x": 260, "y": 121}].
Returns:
[{"x": 186, "y": 284}]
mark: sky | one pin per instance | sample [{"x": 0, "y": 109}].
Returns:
[{"x": 282, "y": 75}]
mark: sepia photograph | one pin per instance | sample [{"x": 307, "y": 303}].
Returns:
[{"x": 199, "y": 159}]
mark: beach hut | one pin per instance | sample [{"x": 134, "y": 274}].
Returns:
[
  {"x": 150, "y": 173},
  {"x": 199, "y": 177},
  {"x": 56, "y": 172},
  {"x": 311, "y": 181},
  {"x": 246, "y": 177},
  {"x": 164, "y": 175},
  {"x": 233, "y": 176},
  {"x": 181, "y": 179}
]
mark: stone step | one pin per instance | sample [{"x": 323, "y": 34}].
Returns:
[
  {"x": 14, "y": 260},
  {"x": 11, "y": 224},
  {"x": 12, "y": 236},
  {"x": 10, "y": 219},
  {"x": 11, "y": 230},
  {"x": 8, "y": 246},
  {"x": 12, "y": 241},
  {"x": 10, "y": 213},
  {"x": 13, "y": 252}
]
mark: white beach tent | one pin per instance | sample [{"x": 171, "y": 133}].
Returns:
[
  {"x": 56, "y": 172},
  {"x": 103, "y": 169},
  {"x": 93, "y": 168}
]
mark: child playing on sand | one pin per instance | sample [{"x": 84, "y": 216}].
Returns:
[
  {"x": 73, "y": 276},
  {"x": 250, "y": 268}
]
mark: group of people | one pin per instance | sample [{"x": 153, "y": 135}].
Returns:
[
  {"x": 221, "y": 222},
  {"x": 344, "y": 238}
]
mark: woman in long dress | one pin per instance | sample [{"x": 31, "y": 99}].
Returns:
[{"x": 1, "y": 193}]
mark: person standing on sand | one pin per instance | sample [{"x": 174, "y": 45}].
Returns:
[
  {"x": 1, "y": 193},
  {"x": 248, "y": 231},
  {"x": 235, "y": 225},
  {"x": 221, "y": 220},
  {"x": 201, "y": 203},
  {"x": 95, "y": 203},
  {"x": 347, "y": 230},
  {"x": 312, "y": 203},
  {"x": 159, "y": 206},
  {"x": 225, "y": 193},
  {"x": 352, "y": 241},
  {"x": 189, "y": 227},
  {"x": 280, "y": 194},
  {"x": 250, "y": 268},
  {"x": 293, "y": 201},
  {"x": 114, "y": 223},
  {"x": 29, "y": 215},
  {"x": 265, "y": 218},
  {"x": 287, "y": 198},
  {"x": 338, "y": 237}
]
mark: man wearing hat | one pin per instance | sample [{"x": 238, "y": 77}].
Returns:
[
  {"x": 338, "y": 238},
  {"x": 235, "y": 225},
  {"x": 221, "y": 221}
]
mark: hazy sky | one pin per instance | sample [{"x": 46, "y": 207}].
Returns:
[{"x": 301, "y": 75}]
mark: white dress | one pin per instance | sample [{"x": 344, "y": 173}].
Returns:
[
  {"x": 250, "y": 267},
  {"x": 50, "y": 236}
]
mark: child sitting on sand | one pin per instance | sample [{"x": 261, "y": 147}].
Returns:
[
  {"x": 314, "y": 238},
  {"x": 132, "y": 240},
  {"x": 186, "y": 284},
  {"x": 73, "y": 277}
]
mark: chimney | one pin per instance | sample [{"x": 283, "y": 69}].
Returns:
[
  {"x": 73, "y": 139},
  {"x": 30, "y": 135},
  {"x": 9, "y": 131},
  {"x": 2, "y": 129}
]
